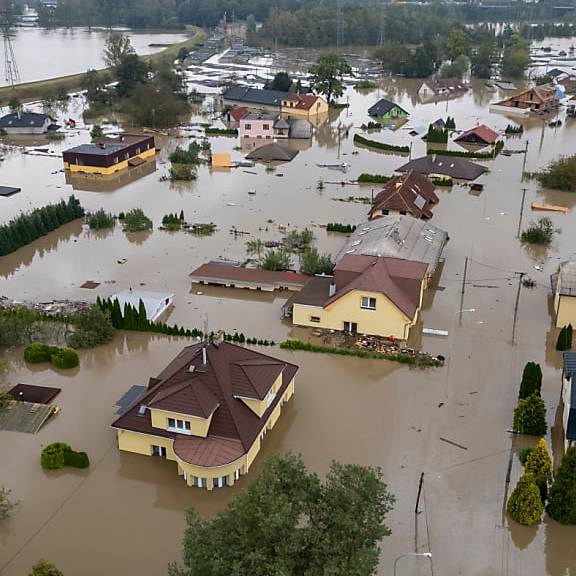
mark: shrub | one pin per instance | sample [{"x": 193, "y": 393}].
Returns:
[
  {"x": 498, "y": 147},
  {"x": 136, "y": 221},
  {"x": 77, "y": 459},
  {"x": 172, "y": 222},
  {"x": 100, "y": 219},
  {"x": 538, "y": 462},
  {"x": 342, "y": 228},
  {"x": 560, "y": 175},
  {"x": 36, "y": 353},
  {"x": 437, "y": 135},
  {"x": 312, "y": 263},
  {"x": 450, "y": 123},
  {"x": 65, "y": 358},
  {"x": 96, "y": 132},
  {"x": 531, "y": 380},
  {"x": 514, "y": 129},
  {"x": 6, "y": 503},
  {"x": 540, "y": 232},
  {"x": 524, "y": 454},
  {"x": 43, "y": 568},
  {"x": 564, "y": 341},
  {"x": 562, "y": 500},
  {"x": 92, "y": 327},
  {"x": 380, "y": 145},
  {"x": 275, "y": 260},
  {"x": 446, "y": 181},
  {"x": 211, "y": 131},
  {"x": 189, "y": 156},
  {"x": 530, "y": 416},
  {"x": 203, "y": 229},
  {"x": 525, "y": 505},
  {"x": 373, "y": 179},
  {"x": 182, "y": 172},
  {"x": 54, "y": 455}
]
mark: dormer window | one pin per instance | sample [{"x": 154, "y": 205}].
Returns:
[
  {"x": 176, "y": 425},
  {"x": 270, "y": 397}
]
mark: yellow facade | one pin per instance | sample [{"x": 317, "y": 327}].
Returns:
[
  {"x": 320, "y": 108},
  {"x": 565, "y": 307},
  {"x": 260, "y": 406},
  {"x": 143, "y": 444},
  {"x": 198, "y": 426},
  {"x": 386, "y": 320},
  {"x": 106, "y": 170}
]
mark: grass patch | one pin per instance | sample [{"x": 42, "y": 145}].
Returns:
[{"x": 414, "y": 360}]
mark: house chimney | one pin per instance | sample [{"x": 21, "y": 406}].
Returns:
[
  {"x": 191, "y": 368},
  {"x": 19, "y": 113},
  {"x": 332, "y": 289}
]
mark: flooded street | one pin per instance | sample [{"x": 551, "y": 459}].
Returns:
[
  {"x": 128, "y": 510},
  {"x": 74, "y": 50}
]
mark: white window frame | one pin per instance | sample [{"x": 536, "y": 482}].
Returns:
[{"x": 366, "y": 302}]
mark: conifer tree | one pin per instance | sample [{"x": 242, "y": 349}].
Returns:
[
  {"x": 530, "y": 416},
  {"x": 524, "y": 504},
  {"x": 539, "y": 463},
  {"x": 531, "y": 380},
  {"x": 562, "y": 500}
]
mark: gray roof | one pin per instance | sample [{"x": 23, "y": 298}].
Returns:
[
  {"x": 398, "y": 236},
  {"x": 96, "y": 150},
  {"x": 452, "y": 166},
  {"x": 382, "y": 107},
  {"x": 569, "y": 371},
  {"x": 255, "y": 96},
  {"x": 23, "y": 120},
  {"x": 272, "y": 152},
  {"x": 567, "y": 278},
  {"x": 270, "y": 117},
  {"x": 281, "y": 123}
]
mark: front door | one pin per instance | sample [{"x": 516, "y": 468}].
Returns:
[{"x": 351, "y": 327}]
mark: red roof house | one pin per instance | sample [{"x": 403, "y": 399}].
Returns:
[{"x": 481, "y": 135}]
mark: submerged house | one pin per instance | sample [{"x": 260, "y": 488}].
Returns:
[
  {"x": 481, "y": 135},
  {"x": 272, "y": 153},
  {"x": 538, "y": 99},
  {"x": 564, "y": 291},
  {"x": 26, "y": 123},
  {"x": 108, "y": 155},
  {"x": 387, "y": 110},
  {"x": 209, "y": 411},
  {"x": 409, "y": 193},
  {"x": 268, "y": 126},
  {"x": 450, "y": 166},
  {"x": 368, "y": 295},
  {"x": 441, "y": 87},
  {"x": 569, "y": 399}
]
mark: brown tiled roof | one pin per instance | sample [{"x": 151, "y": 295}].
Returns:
[
  {"x": 399, "y": 280},
  {"x": 232, "y": 420},
  {"x": 401, "y": 194},
  {"x": 482, "y": 132},
  {"x": 34, "y": 394},
  {"x": 211, "y": 451},
  {"x": 239, "y": 113},
  {"x": 230, "y": 272},
  {"x": 188, "y": 396},
  {"x": 314, "y": 293},
  {"x": 303, "y": 101}
]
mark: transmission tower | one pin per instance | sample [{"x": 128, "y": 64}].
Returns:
[{"x": 11, "y": 74}]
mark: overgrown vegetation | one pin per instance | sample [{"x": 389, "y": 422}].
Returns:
[
  {"x": 136, "y": 221},
  {"x": 57, "y": 455},
  {"x": 172, "y": 222},
  {"x": 276, "y": 260},
  {"x": 540, "y": 232},
  {"x": 297, "y": 523},
  {"x": 28, "y": 227},
  {"x": 358, "y": 139},
  {"x": 60, "y": 357},
  {"x": 203, "y": 229},
  {"x": 311, "y": 262},
  {"x": 559, "y": 175},
  {"x": 186, "y": 155},
  {"x": 373, "y": 178},
  {"x": 296, "y": 240},
  {"x": 100, "y": 219},
  {"x": 413, "y": 359},
  {"x": 564, "y": 341},
  {"x": 342, "y": 228}
]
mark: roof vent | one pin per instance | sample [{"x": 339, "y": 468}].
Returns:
[
  {"x": 191, "y": 368},
  {"x": 141, "y": 410}
]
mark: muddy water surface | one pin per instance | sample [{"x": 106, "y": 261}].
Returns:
[{"x": 128, "y": 510}]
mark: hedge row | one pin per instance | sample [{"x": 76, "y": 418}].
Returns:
[
  {"x": 59, "y": 357},
  {"x": 446, "y": 181},
  {"x": 498, "y": 147},
  {"x": 221, "y": 131},
  {"x": 416, "y": 360},
  {"x": 373, "y": 179},
  {"x": 342, "y": 228},
  {"x": 380, "y": 145}
]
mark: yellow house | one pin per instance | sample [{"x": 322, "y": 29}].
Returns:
[
  {"x": 208, "y": 411},
  {"x": 109, "y": 155},
  {"x": 367, "y": 295},
  {"x": 564, "y": 289},
  {"x": 304, "y": 106}
]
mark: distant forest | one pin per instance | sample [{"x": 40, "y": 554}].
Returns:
[{"x": 311, "y": 22}]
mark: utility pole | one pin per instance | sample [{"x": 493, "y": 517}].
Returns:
[
  {"x": 463, "y": 289},
  {"x": 419, "y": 493},
  {"x": 521, "y": 212},
  {"x": 524, "y": 163},
  {"x": 520, "y": 276}
]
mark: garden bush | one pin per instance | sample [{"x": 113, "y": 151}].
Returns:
[
  {"x": 560, "y": 175},
  {"x": 43, "y": 568},
  {"x": 524, "y": 454},
  {"x": 445, "y": 181},
  {"x": 531, "y": 380},
  {"x": 100, "y": 220},
  {"x": 77, "y": 459},
  {"x": 380, "y": 145},
  {"x": 373, "y": 178},
  {"x": 539, "y": 463},
  {"x": 36, "y": 353},
  {"x": 136, "y": 221},
  {"x": 540, "y": 232},
  {"x": 530, "y": 416},
  {"x": 65, "y": 358},
  {"x": 53, "y": 456},
  {"x": 498, "y": 147},
  {"x": 562, "y": 500},
  {"x": 525, "y": 505},
  {"x": 564, "y": 341},
  {"x": 342, "y": 228}
]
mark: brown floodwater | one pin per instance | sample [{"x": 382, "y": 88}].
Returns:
[{"x": 128, "y": 511}]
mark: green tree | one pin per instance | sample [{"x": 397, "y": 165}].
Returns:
[
  {"x": 530, "y": 416},
  {"x": 43, "y": 568},
  {"x": 539, "y": 463},
  {"x": 92, "y": 327},
  {"x": 281, "y": 82},
  {"x": 457, "y": 68},
  {"x": 327, "y": 74},
  {"x": 456, "y": 43},
  {"x": 116, "y": 49},
  {"x": 255, "y": 247},
  {"x": 131, "y": 72},
  {"x": 531, "y": 380},
  {"x": 6, "y": 503},
  {"x": 287, "y": 522},
  {"x": 562, "y": 500},
  {"x": 312, "y": 263},
  {"x": 483, "y": 59},
  {"x": 392, "y": 56},
  {"x": 96, "y": 132},
  {"x": 524, "y": 504},
  {"x": 564, "y": 341},
  {"x": 516, "y": 57},
  {"x": 559, "y": 175},
  {"x": 251, "y": 24},
  {"x": 136, "y": 221},
  {"x": 276, "y": 260}
]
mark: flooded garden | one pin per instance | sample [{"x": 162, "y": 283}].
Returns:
[{"x": 451, "y": 422}]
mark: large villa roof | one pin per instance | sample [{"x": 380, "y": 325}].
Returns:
[
  {"x": 451, "y": 166},
  {"x": 191, "y": 387}
]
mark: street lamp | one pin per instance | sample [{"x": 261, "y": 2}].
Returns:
[{"x": 423, "y": 554}]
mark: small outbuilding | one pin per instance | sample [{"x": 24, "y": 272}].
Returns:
[
  {"x": 9, "y": 190},
  {"x": 272, "y": 152},
  {"x": 481, "y": 135},
  {"x": 387, "y": 110}
]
